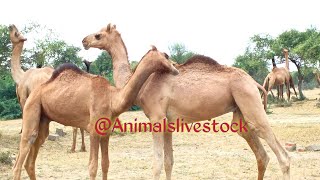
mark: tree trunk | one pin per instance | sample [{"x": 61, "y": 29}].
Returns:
[{"x": 300, "y": 82}]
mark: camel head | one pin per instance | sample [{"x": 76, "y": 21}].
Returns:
[
  {"x": 15, "y": 36},
  {"x": 101, "y": 39},
  {"x": 159, "y": 60},
  {"x": 285, "y": 51}
]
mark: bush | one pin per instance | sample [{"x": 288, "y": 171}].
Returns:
[{"x": 5, "y": 158}]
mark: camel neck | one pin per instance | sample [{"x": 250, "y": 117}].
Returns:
[
  {"x": 287, "y": 60},
  {"x": 121, "y": 66},
  {"x": 16, "y": 69},
  {"x": 129, "y": 92}
]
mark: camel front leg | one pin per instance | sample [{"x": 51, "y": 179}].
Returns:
[
  {"x": 94, "y": 150},
  {"x": 288, "y": 90},
  {"x": 255, "y": 145},
  {"x": 83, "y": 146},
  {"x": 32, "y": 156},
  {"x": 74, "y": 140},
  {"x": 104, "y": 142},
  {"x": 168, "y": 154}
]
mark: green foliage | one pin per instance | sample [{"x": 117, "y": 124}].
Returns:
[
  {"x": 9, "y": 106},
  {"x": 253, "y": 65},
  {"x": 179, "y": 53},
  {"x": 5, "y": 49},
  {"x": 103, "y": 66},
  {"x": 5, "y": 158}
]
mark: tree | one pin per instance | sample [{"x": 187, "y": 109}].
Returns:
[
  {"x": 253, "y": 65},
  {"x": 103, "y": 66},
  {"x": 179, "y": 53}
]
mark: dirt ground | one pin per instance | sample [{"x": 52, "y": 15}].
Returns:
[{"x": 196, "y": 155}]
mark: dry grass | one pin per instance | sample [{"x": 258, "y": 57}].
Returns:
[{"x": 197, "y": 155}]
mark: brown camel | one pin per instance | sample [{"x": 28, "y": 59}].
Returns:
[
  {"x": 26, "y": 81},
  {"x": 204, "y": 89},
  {"x": 75, "y": 129},
  {"x": 75, "y": 98},
  {"x": 279, "y": 77}
]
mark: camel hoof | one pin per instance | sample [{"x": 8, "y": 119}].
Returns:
[
  {"x": 72, "y": 151},
  {"x": 83, "y": 150}
]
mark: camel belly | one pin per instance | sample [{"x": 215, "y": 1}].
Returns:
[{"x": 200, "y": 102}]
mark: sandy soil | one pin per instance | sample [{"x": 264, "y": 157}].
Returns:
[{"x": 197, "y": 155}]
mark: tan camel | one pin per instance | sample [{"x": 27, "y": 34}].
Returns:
[
  {"x": 26, "y": 81},
  {"x": 204, "y": 89},
  {"x": 279, "y": 77},
  {"x": 74, "y": 98},
  {"x": 75, "y": 129}
]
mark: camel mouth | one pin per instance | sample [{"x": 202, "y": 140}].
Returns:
[
  {"x": 86, "y": 46},
  {"x": 174, "y": 71}
]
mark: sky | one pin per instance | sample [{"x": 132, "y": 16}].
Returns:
[{"x": 219, "y": 29}]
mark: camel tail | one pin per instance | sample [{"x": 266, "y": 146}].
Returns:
[{"x": 264, "y": 93}]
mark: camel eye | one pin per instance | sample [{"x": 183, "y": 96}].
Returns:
[
  {"x": 98, "y": 36},
  {"x": 16, "y": 34}
]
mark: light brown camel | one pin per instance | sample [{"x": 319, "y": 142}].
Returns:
[
  {"x": 204, "y": 89},
  {"x": 75, "y": 98},
  {"x": 27, "y": 81},
  {"x": 317, "y": 76},
  {"x": 279, "y": 77},
  {"x": 75, "y": 129}
]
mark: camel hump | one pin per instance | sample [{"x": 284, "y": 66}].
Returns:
[
  {"x": 201, "y": 59},
  {"x": 64, "y": 67}
]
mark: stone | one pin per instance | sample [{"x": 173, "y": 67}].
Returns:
[
  {"x": 60, "y": 132},
  {"x": 290, "y": 146},
  {"x": 53, "y": 137},
  {"x": 313, "y": 148}
]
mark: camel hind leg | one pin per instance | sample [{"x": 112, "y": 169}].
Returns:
[
  {"x": 83, "y": 145},
  {"x": 74, "y": 139},
  {"x": 249, "y": 102},
  {"x": 31, "y": 159},
  {"x": 30, "y": 129},
  {"x": 255, "y": 145}
]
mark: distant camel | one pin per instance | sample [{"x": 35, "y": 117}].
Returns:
[
  {"x": 75, "y": 98},
  {"x": 75, "y": 129},
  {"x": 279, "y": 77},
  {"x": 204, "y": 89},
  {"x": 317, "y": 76}
]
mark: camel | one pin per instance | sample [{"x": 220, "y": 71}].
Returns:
[
  {"x": 75, "y": 98},
  {"x": 279, "y": 77},
  {"x": 27, "y": 81},
  {"x": 75, "y": 129},
  {"x": 203, "y": 89}
]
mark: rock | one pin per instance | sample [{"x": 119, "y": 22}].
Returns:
[
  {"x": 301, "y": 149},
  {"x": 53, "y": 137},
  {"x": 60, "y": 132},
  {"x": 313, "y": 148},
  {"x": 290, "y": 146}
]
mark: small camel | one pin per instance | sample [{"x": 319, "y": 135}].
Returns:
[
  {"x": 279, "y": 77},
  {"x": 75, "y": 129},
  {"x": 75, "y": 98},
  {"x": 204, "y": 89}
]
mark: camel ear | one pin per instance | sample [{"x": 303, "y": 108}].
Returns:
[
  {"x": 153, "y": 48},
  {"x": 109, "y": 27},
  {"x": 114, "y": 26}
]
